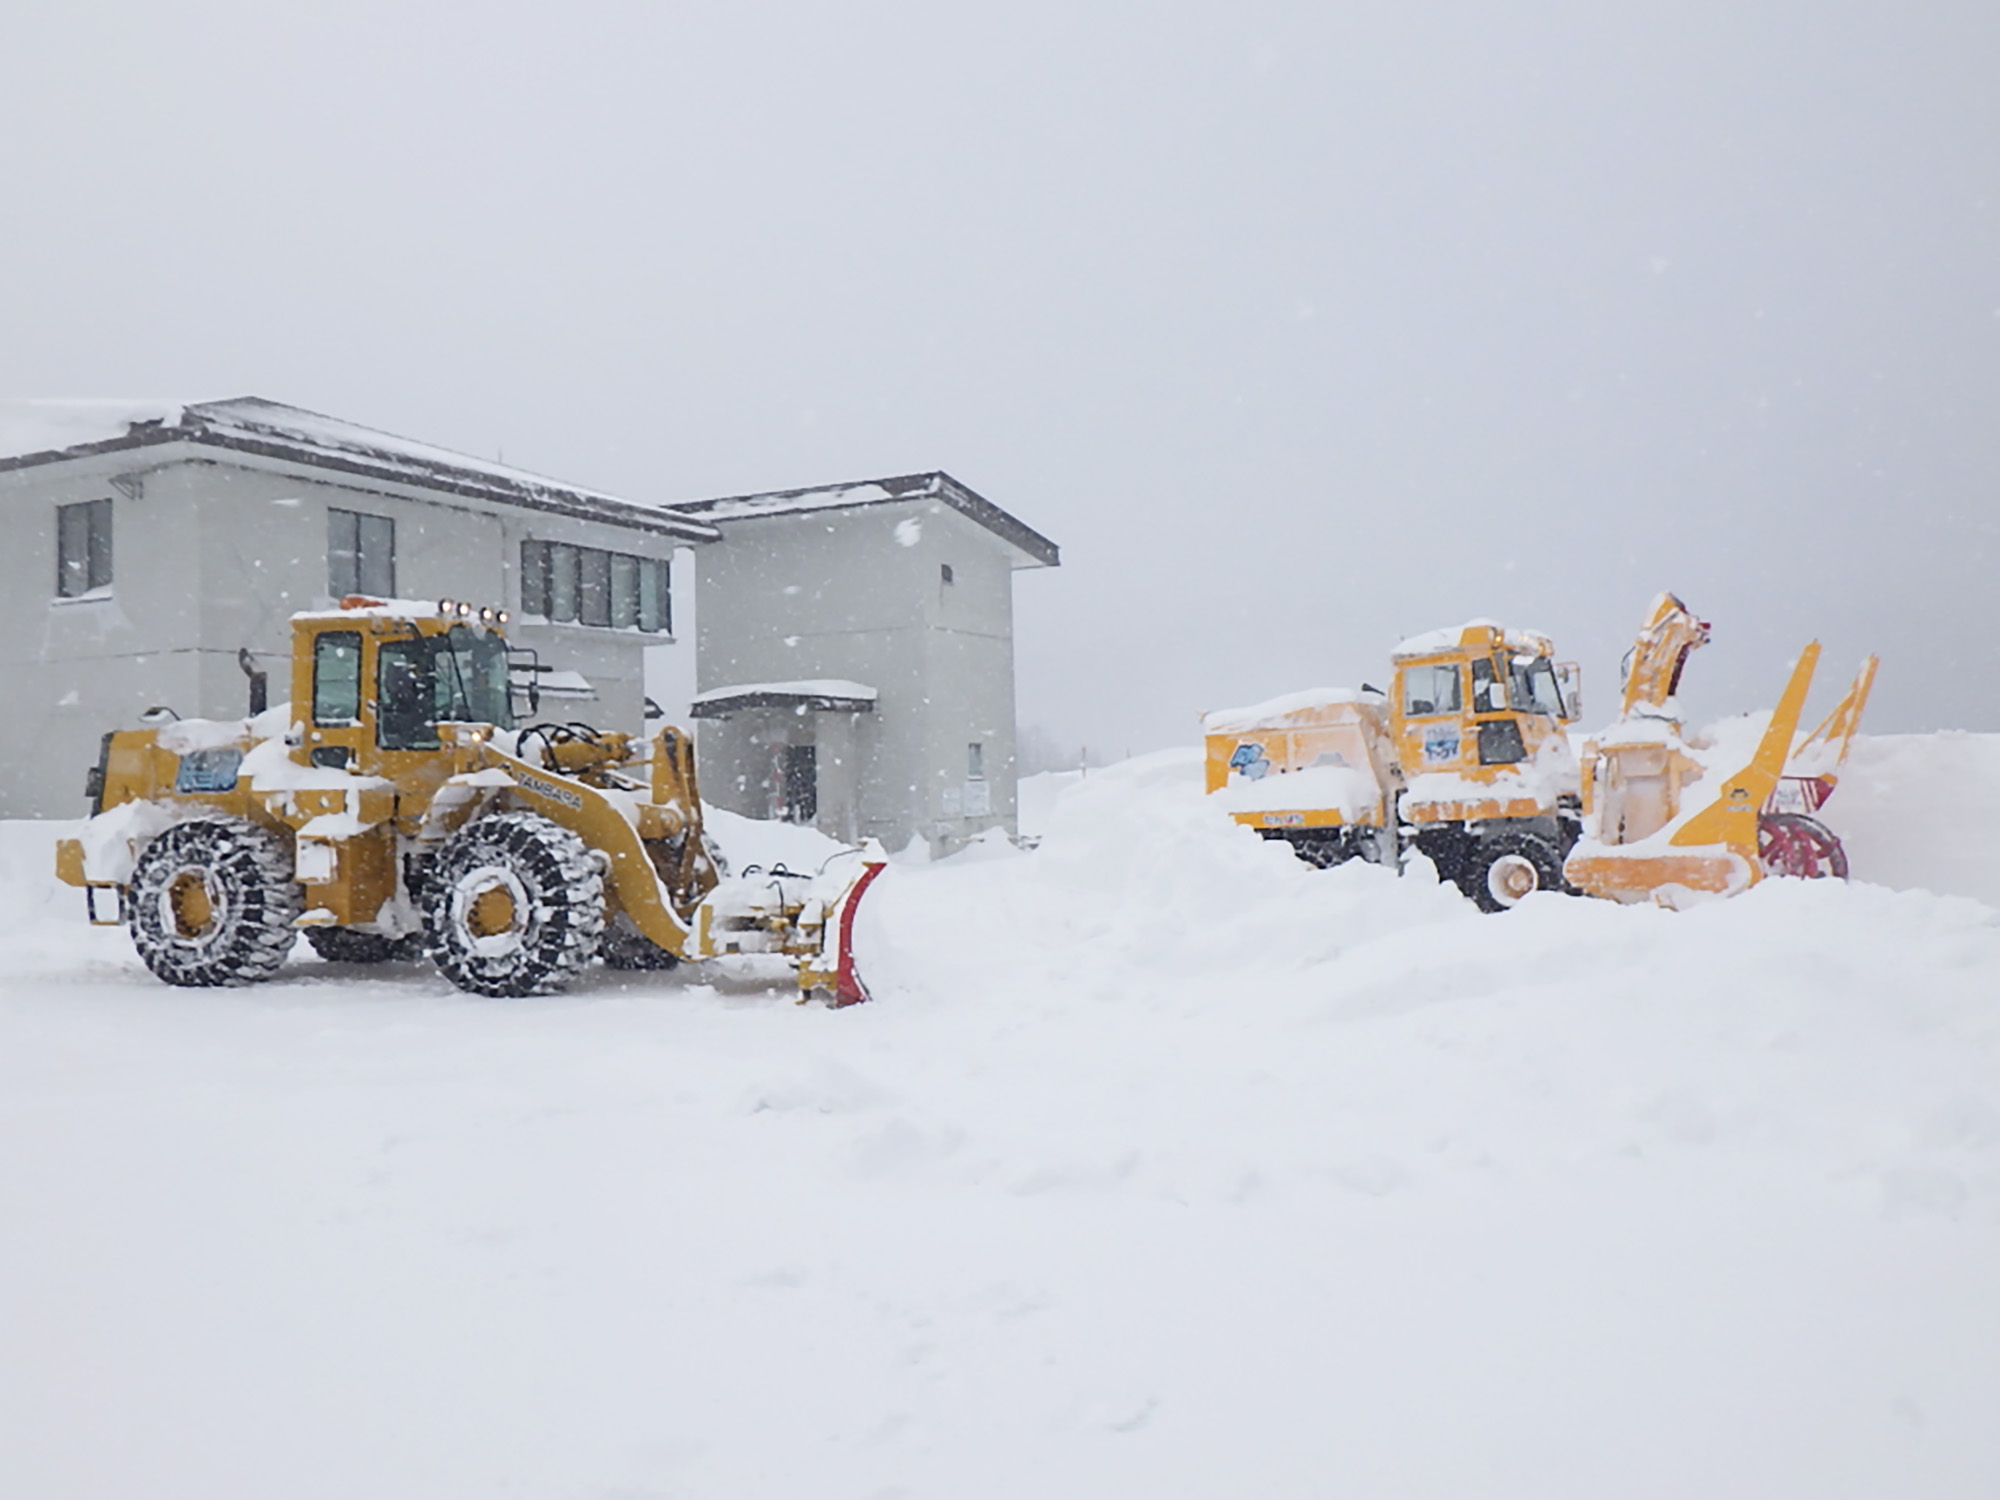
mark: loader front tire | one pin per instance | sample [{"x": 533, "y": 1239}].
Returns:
[
  {"x": 516, "y": 906},
  {"x": 213, "y": 902},
  {"x": 1502, "y": 870}
]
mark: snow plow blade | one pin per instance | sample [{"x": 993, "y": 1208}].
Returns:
[{"x": 806, "y": 917}]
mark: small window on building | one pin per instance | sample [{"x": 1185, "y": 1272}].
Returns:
[
  {"x": 589, "y": 586},
  {"x": 656, "y": 598},
  {"x": 593, "y": 595},
  {"x": 360, "y": 554},
  {"x": 535, "y": 579},
  {"x": 944, "y": 573},
  {"x": 83, "y": 548},
  {"x": 798, "y": 784},
  {"x": 975, "y": 761},
  {"x": 337, "y": 677},
  {"x": 624, "y": 591}
]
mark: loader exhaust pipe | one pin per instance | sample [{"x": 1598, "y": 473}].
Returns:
[{"x": 260, "y": 681}]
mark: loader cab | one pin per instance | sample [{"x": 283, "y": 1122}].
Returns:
[{"x": 376, "y": 683}]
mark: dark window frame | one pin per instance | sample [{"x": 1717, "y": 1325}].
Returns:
[
  {"x": 83, "y": 548},
  {"x": 360, "y": 553}
]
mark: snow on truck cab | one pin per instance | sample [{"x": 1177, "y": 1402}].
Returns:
[{"x": 394, "y": 808}]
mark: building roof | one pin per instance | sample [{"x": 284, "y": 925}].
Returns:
[
  {"x": 833, "y": 694},
  {"x": 1034, "y": 549},
  {"x": 42, "y": 432}
]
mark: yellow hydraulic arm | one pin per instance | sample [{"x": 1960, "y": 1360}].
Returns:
[
  {"x": 1732, "y": 818},
  {"x": 1671, "y": 633}
]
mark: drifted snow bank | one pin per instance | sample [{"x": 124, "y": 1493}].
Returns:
[{"x": 1162, "y": 1164}]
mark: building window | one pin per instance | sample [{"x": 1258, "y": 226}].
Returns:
[
  {"x": 798, "y": 784},
  {"x": 975, "y": 761},
  {"x": 83, "y": 548},
  {"x": 589, "y": 586},
  {"x": 360, "y": 554}
]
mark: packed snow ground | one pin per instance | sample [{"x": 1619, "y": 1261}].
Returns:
[{"x": 1161, "y": 1165}]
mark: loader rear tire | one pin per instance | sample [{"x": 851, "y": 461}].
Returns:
[
  {"x": 344, "y": 945},
  {"x": 516, "y": 906},
  {"x": 1502, "y": 870},
  {"x": 213, "y": 902}
]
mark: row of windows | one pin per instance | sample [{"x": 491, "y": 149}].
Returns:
[
  {"x": 586, "y": 585},
  {"x": 593, "y": 587}
]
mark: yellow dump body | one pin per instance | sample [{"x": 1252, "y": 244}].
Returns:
[{"x": 1320, "y": 759}]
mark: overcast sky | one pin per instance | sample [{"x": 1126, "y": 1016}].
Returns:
[{"x": 1299, "y": 327}]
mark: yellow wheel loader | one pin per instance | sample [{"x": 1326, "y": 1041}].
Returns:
[
  {"x": 394, "y": 808},
  {"x": 1464, "y": 759}
]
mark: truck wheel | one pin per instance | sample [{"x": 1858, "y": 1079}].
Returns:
[
  {"x": 625, "y": 947},
  {"x": 1504, "y": 869},
  {"x": 344, "y": 945},
  {"x": 213, "y": 903},
  {"x": 516, "y": 906}
]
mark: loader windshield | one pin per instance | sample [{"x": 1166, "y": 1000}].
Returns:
[
  {"x": 428, "y": 680},
  {"x": 472, "y": 678}
]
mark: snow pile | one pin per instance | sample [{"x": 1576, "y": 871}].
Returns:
[
  {"x": 1922, "y": 811},
  {"x": 1162, "y": 1164}
]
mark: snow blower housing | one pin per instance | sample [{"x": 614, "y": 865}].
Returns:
[{"x": 394, "y": 807}]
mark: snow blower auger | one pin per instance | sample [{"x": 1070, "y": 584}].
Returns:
[
  {"x": 1646, "y": 837},
  {"x": 394, "y": 808}
]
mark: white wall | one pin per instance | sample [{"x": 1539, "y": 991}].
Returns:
[{"x": 213, "y": 556}]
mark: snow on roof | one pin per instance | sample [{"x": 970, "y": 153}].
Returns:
[
  {"x": 1035, "y": 549},
  {"x": 35, "y": 432},
  {"x": 36, "y": 427},
  {"x": 823, "y": 692},
  {"x": 1271, "y": 711},
  {"x": 1453, "y": 636}
]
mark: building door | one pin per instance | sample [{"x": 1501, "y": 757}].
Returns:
[{"x": 799, "y": 784}]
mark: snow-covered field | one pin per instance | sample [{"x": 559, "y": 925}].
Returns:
[{"x": 1162, "y": 1165}]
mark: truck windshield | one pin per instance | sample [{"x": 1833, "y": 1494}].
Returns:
[
  {"x": 1535, "y": 689},
  {"x": 456, "y": 678}
]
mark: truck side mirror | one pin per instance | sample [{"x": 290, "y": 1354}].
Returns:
[{"x": 1569, "y": 679}]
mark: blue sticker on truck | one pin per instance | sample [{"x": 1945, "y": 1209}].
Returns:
[
  {"x": 1250, "y": 761},
  {"x": 1440, "y": 744}
]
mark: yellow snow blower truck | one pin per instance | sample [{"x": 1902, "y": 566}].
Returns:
[
  {"x": 1464, "y": 759},
  {"x": 393, "y": 809},
  {"x": 1467, "y": 760}
]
